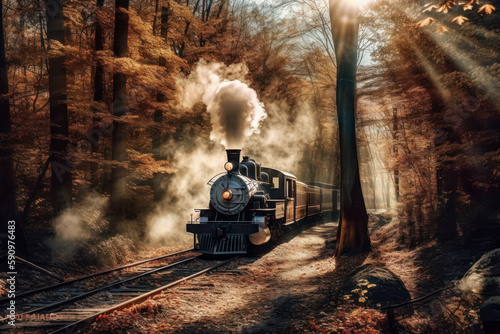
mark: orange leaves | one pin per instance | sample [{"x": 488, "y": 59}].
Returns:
[
  {"x": 430, "y": 8},
  {"x": 315, "y": 327},
  {"x": 469, "y": 5},
  {"x": 442, "y": 29},
  {"x": 360, "y": 320},
  {"x": 426, "y": 22},
  {"x": 445, "y": 6},
  {"x": 487, "y": 8},
  {"x": 460, "y": 19}
]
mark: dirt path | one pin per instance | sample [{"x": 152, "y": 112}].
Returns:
[{"x": 284, "y": 290}]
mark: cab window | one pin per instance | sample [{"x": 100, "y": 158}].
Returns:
[
  {"x": 276, "y": 182},
  {"x": 289, "y": 188}
]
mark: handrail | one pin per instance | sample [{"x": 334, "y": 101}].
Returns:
[{"x": 216, "y": 176}]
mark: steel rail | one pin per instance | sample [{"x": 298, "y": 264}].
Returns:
[
  {"x": 57, "y": 285},
  {"x": 106, "y": 287},
  {"x": 72, "y": 328}
]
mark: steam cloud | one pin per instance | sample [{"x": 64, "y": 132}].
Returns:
[
  {"x": 282, "y": 141},
  {"x": 187, "y": 190},
  {"x": 236, "y": 113},
  {"x": 238, "y": 121},
  {"x": 234, "y": 107},
  {"x": 79, "y": 224}
]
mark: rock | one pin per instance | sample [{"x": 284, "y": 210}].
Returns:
[
  {"x": 490, "y": 315},
  {"x": 484, "y": 276},
  {"x": 373, "y": 286}
]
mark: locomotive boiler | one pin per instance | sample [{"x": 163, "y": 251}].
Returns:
[{"x": 251, "y": 204}]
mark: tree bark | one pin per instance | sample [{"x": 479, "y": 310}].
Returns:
[
  {"x": 8, "y": 207},
  {"x": 395, "y": 138},
  {"x": 352, "y": 233},
  {"x": 61, "y": 183},
  {"x": 159, "y": 184},
  {"x": 446, "y": 175},
  {"x": 119, "y": 150},
  {"x": 447, "y": 179},
  {"x": 98, "y": 93}
]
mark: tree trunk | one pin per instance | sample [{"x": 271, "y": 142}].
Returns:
[
  {"x": 387, "y": 192},
  {"x": 447, "y": 179},
  {"x": 119, "y": 150},
  {"x": 352, "y": 233},
  {"x": 159, "y": 179},
  {"x": 395, "y": 138},
  {"x": 446, "y": 176},
  {"x": 8, "y": 207},
  {"x": 59, "y": 143},
  {"x": 98, "y": 93}
]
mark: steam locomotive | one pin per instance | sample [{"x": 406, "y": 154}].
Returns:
[{"x": 250, "y": 204}]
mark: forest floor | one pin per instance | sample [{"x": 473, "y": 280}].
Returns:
[
  {"x": 291, "y": 289},
  {"x": 282, "y": 290}
]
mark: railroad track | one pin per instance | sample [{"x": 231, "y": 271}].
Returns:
[
  {"x": 75, "y": 307},
  {"x": 91, "y": 276}
]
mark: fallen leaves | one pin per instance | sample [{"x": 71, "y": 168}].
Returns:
[{"x": 313, "y": 325}]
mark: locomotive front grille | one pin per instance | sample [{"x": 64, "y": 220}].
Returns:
[{"x": 230, "y": 244}]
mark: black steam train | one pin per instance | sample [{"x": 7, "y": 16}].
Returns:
[{"x": 254, "y": 204}]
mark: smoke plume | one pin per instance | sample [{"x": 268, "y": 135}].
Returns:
[
  {"x": 238, "y": 121},
  {"x": 235, "y": 112},
  {"x": 234, "y": 107}
]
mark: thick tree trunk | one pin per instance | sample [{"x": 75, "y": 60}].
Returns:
[
  {"x": 119, "y": 150},
  {"x": 8, "y": 206},
  {"x": 98, "y": 93},
  {"x": 447, "y": 193},
  {"x": 61, "y": 169},
  {"x": 352, "y": 234},
  {"x": 159, "y": 180},
  {"x": 395, "y": 138},
  {"x": 446, "y": 177}
]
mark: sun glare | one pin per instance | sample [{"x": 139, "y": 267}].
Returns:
[{"x": 361, "y": 3}]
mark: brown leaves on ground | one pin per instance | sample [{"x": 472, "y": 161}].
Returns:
[
  {"x": 361, "y": 320},
  {"x": 126, "y": 320}
]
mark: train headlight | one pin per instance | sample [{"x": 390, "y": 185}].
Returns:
[
  {"x": 229, "y": 166},
  {"x": 227, "y": 195}
]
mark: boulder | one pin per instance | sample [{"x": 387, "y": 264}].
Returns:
[
  {"x": 373, "y": 286},
  {"x": 483, "y": 277}
]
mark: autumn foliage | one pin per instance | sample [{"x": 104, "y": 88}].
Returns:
[{"x": 427, "y": 100}]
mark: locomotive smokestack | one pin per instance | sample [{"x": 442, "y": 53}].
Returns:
[{"x": 233, "y": 157}]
